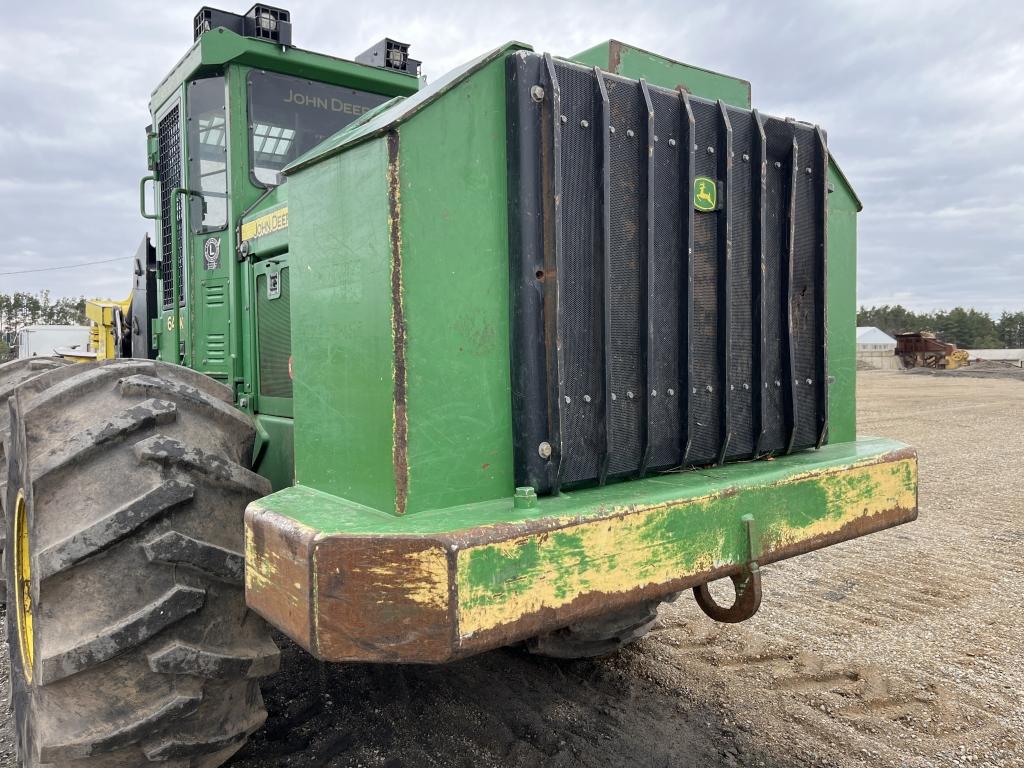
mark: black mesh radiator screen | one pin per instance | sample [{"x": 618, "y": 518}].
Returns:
[
  {"x": 668, "y": 278},
  {"x": 169, "y": 138},
  {"x": 273, "y": 318}
]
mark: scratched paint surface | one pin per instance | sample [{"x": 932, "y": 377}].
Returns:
[
  {"x": 498, "y": 583},
  {"x": 341, "y": 268},
  {"x": 487, "y": 565},
  {"x": 260, "y": 568},
  {"x": 422, "y": 576},
  {"x": 455, "y": 294}
]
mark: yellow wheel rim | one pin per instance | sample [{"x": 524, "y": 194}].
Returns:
[{"x": 23, "y": 589}]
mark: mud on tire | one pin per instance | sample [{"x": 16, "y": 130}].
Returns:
[
  {"x": 12, "y": 375},
  {"x": 128, "y": 483},
  {"x": 600, "y": 636}
]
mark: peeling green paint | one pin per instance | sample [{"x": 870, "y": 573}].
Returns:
[
  {"x": 499, "y": 564},
  {"x": 499, "y": 571},
  {"x": 654, "y": 545}
]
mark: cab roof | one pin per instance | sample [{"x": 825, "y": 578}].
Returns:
[{"x": 218, "y": 47}]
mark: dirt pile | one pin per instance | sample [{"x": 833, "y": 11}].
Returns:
[
  {"x": 982, "y": 369},
  {"x": 992, "y": 365}
]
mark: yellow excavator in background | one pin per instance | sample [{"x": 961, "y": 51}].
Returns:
[{"x": 109, "y": 322}]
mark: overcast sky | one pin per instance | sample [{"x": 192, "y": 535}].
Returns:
[{"x": 923, "y": 104}]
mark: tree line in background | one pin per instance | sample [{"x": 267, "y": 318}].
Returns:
[
  {"x": 21, "y": 309},
  {"x": 967, "y": 328}
]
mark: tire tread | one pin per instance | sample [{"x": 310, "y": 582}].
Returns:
[{"x": 135, "y": 680}]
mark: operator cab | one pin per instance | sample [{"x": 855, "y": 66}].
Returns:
[
  {"x": 241, "y": 105},
  {"x": 287, "y": 114}
]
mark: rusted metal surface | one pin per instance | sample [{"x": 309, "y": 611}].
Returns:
[
  {"x": 400, "y": 452},
  {"x": 282, "y": 574},
  {"x": 417, "y": 593},
  {"x": 747, "y": 585},
  {"x": 614, "y": 56},
  {"x": 406, "y": 611}
]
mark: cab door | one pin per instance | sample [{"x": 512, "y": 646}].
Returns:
[{"x": 209, "y": 237}]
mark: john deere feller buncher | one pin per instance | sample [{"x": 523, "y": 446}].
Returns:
[{"x": 418, "y": 372}]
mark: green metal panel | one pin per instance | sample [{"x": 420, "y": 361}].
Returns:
[
  {"x": 242, "y": 195},
  {"x": 455, "y": 294},
  {"x": 274, "y": 453},
  {"x": 340, "y": 255},
  {"x": 211, "y": 344},
  {"x": 842, "y": 308},
  {"x": 630, "y": 61},
  {"x": 328, "y": 514},
  {"x": 405, "y": 393},
  {"x": 269, "y": 220}
]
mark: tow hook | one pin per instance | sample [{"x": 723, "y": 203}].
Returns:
[{"x": 746, "y": 583}]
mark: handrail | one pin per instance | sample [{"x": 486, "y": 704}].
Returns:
[{"x": 142, "y": 198}]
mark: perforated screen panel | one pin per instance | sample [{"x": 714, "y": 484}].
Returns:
[
  {"x": 169, "y": 138},
  {"x": 668, "y": 273},
  {"x": 273, "y": 317}
]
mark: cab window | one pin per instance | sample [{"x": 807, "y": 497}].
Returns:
[
  {"x": 208, "y": 154},
  {"x": 289, "y": 116}
]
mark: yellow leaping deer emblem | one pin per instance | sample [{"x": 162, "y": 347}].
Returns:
[{"x": 705, "y": 194}]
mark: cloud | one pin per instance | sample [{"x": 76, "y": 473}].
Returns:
[{"x": 923, "y": 103}]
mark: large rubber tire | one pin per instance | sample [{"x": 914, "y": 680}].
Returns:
[
  {"x": 600, "y": 636},
  {"x": 128, "y": 484},
  {"x": 12, "y": 375}
]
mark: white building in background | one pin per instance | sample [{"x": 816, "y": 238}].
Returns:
[
  {"x": 877, "y": 348},
  {"x": 43, "y": 340}
]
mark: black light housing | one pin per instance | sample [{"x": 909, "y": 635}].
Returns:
[
  {"x": 390, "y": 54},
  {"x": 263, "y": 22}
]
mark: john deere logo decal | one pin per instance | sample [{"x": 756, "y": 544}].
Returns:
[{"x": 705, "y": 194}]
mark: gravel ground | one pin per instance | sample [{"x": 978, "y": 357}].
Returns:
[{"x": 900, "y": 649}]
